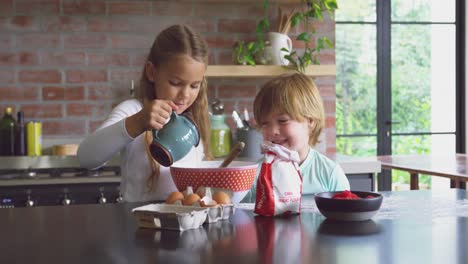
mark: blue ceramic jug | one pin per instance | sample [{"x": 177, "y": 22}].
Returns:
[{"x": 172, "y": 142}]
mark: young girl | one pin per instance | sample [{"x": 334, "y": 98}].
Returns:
[
  {"x": 172, "y": 80},
  {"x": 289, "y": 111}
]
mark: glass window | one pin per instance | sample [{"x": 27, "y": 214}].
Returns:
[
  {"x": 356, "y": 10},
  {"x": 423, "y": 87},
  {"x": 423, "y": 10},
  {"x": 356, "y": 79},
  {"x": 423, "y": 78},
  {"x": 357, "y": 146}
]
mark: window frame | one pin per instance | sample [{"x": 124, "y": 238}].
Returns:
[{"x": 383, "y": 38}]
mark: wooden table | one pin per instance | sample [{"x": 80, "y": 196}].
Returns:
[
  {"x": 454, "y": 167},
  {"x": 411, "y": 227}
]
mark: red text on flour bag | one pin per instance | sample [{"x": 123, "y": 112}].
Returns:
[{"x": 279, "y": 184}]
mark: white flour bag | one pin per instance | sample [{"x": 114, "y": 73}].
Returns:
[{"x": 279, "y": 184}]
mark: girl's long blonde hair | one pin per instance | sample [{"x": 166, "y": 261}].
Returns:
[
  {"x": 296, "y": 95},
  {"x": 173, "y": 41}
]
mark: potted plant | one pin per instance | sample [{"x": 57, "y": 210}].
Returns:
[
  {"x": 281, "y": 44},
  {"x": 312, "y": 10},
  {"x": 249, "y": 52},
  {"x": 280, "y": 41}
]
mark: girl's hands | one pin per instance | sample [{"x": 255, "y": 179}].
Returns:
[{"x": 154, "y": 115}]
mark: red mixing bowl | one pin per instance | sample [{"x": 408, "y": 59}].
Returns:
[{"x": 238, "y": 177}]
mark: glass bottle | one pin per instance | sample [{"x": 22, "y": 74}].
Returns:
[
  {"x": 220, "y": 136},
  {"x": 7, "y": 133},
  {"x": 20, "y": 135}
]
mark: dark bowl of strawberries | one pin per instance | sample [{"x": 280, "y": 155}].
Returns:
[{"x": 348, "y": 205}]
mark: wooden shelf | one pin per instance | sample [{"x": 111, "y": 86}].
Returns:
[
  {"x": 245, "y": 1},
  {"x": 259, "y": 71}
]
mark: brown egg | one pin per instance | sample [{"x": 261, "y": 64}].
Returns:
[
  {"x": 191, "y": 199},
  {"x": 221, "y": 197},
  {"x": 173, "y": 197}
]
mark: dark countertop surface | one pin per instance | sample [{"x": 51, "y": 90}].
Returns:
[{"x": 411, "y": 227}]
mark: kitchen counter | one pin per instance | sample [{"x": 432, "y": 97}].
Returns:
[
  {"x": 358, "y": 165},
  {"x": 411, "y": 227},
  {"x": 361, "y": 171}
]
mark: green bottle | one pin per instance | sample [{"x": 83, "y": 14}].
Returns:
[
  {"x": 220, "y": 136},
  {"x": 7, "y": 133}
]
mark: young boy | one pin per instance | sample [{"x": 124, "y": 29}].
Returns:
[{"x": 289, "y": 111}]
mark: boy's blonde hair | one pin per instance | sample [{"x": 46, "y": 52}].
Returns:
[
  {"x": 174, "y": 41},
  {"x": 293, "y": 94}
]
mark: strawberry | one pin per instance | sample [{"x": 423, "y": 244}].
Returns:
[{"x": 346, "y": 195}]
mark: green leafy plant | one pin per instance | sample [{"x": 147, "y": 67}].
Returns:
[
  {"x": 312, "y": 10},
  {"x": 247, "y": 52},
  {"x": 244, "y": 53}
]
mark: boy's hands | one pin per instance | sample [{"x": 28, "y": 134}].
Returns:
[{"x": 154, "y": 115}]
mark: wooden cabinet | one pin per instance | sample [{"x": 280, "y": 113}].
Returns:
[{"x": 361, "y": 181}]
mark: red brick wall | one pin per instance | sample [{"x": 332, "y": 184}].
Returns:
[{"x": 67, "y": 62}]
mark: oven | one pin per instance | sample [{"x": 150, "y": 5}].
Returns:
[{"x": 56, "y": 180}]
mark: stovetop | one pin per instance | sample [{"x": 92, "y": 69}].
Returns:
[
  {"x": 56, "y": 180},
  {"x": 46, "y": 162},
  {"x": 36, "y": 174},
  {"x": 54, "y": 170}
]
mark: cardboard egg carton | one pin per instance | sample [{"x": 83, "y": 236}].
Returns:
[
  {"x": 216, "y": 212},
  {"x": 181, "y": 217},
  {"x": 219, "y": 211},
  {"x": 169, "y": 216}
]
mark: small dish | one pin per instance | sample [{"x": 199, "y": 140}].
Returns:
[{"x": 349, "y": 210}]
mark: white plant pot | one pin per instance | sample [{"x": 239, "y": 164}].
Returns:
[{"x": 279, "y": 41}]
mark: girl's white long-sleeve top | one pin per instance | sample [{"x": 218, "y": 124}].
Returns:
[{"x": 112, "y": 137}]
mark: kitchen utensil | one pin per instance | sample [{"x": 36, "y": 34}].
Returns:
[
  {"x": 280, "y": 19},
  {"x": 246, "y": 119},
  {"x": 237, "y": 119},
  {"x": 172, "y": 142},
  {"x": 235, "y": 151},
  {"x": 132, "y": 89},
  {"x": 285, "y": 20},
  {"x": 252, "y": 139}
]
